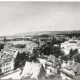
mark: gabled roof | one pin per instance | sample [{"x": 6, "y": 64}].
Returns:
[
  {"x": 53, "y": 59},
  {"x": 34, "y": 70},
  {"x": 75, "y": 66}
]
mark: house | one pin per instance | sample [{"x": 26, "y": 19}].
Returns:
[
  {"x": 53, "y": 59},
  {"x": 33, "y": 70},
  {"x": 7, "y": 59},
  {"x": 53, "y": 65},
  {"x": 0, "y": 63},
  {"x": 42, "y": 61},
  {"x": 71, "y": 70}
]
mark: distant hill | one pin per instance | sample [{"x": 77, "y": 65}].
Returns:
[{"x": 31, "y": 34}]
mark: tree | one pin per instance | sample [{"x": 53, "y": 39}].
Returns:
[
  {"x": 72, "y": 53},
  {"x": 53, "y": 40},
  {"x": 65, "y": 57},
  {"x": 57, "y": 40},
  {"x": 20, "y": 45},
  {"x": 20, "y": 60},
  {"x": 77, "y": 58},
  {"x": 45, "y": 49},
  {"x": 17, "y": 61},
  {"x": 48, "y": 49},
  {"x": 35, "y": 54},
  {"x": 1, "y": 46},
  {"x": 5, "y": 39},
  {"x": 36, "y": 51},
  {"x": 44, "y": 35},
  {"x": 57, "y": 51}
]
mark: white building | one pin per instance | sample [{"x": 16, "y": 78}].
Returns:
[{"x": 7, "y": 59}]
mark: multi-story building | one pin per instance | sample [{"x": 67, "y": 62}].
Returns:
[
  {"x": 8, "y": 56},
  {"x": 7, "y": 59},
  {"x": 0, "y": 63}
]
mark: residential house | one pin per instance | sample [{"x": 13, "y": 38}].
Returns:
[
  {"x": 7, "y": 59},
  {"x": 71, "y": 69}
]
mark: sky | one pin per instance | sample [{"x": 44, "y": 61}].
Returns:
[{"x": 20, "y": 17}]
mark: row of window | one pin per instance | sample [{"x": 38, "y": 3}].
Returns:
[
  {"x": 7, "y": 60},
  {"x": 6, "y": 64},
  {"x": 7, "y": 69}
]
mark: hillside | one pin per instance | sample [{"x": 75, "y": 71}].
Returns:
[{"x": 31, "y": 34}]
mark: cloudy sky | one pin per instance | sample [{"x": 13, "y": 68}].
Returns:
[{"x": 19, "y": 17}]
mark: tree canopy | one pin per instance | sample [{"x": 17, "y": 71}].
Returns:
[
  {"x": 48, "y": 49},
  {"x": 77, "y": 58},
  {"x": 72, "y": 53},
  {"x": 1, "y": 46}
]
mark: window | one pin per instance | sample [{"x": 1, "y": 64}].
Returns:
[
  {"x": 7, "y": 63},
  {"x": 3, "y": 64}
]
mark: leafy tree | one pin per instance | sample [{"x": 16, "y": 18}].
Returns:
[
  {"x": 1, "y": 46},
  {"x": 57, "y": 51},
  {"x": 77, "y": 58},
  {"x": 36, "y": 51},
  {"x": 65, "y": 57},
  {"x": 44, "y": 35},
  {"x": 20, "y": 45},
  {"x": 76, "y": 51},
  {"x": 57, "y": 40},
  {"x": 16, "y": 61},
  {"x": 53, "y": 40},
  {"x": 20, "y": 60},
  {"x": 48, "y": 49},
  {"x": 72, "y": 53},
  {"x": 4, "y": 39},
  {"x": 35, "y": 54},
  {"x": 45, "y": 48}
]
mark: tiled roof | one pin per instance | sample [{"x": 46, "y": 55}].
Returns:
[
  {"x": 54, "y": 60},
  {"x": 75, "y": 66}
]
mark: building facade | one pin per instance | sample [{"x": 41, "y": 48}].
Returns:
[{"x": 7, "y": 60}]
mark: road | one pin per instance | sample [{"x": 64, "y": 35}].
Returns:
[{"x": 12, "y": 75}]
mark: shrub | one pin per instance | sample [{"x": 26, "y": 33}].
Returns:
[
  {"x": 65, "y": 57},
  {"x": 72, "y": 53},
  {"x": 20, "y": 45},
  {"x": 57, "y": 51},
  {"x": 1, "y": 46},
  {"x": 77, "y": 58},
  {"x": 20, "y": 60},
  {"x": 48, "y": 49}
]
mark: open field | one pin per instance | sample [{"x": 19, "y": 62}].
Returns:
[
  {"x": 66, "y": 46},
  {"x": 20, "y": 42}
]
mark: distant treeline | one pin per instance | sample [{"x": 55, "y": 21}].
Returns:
[
  {"x": 45, "y": 36},
  {"x": 17, "y": 39},
  {"x": 71, "y": 35}
]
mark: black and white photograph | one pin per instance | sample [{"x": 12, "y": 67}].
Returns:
[{"x": 39, "y": 40}]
